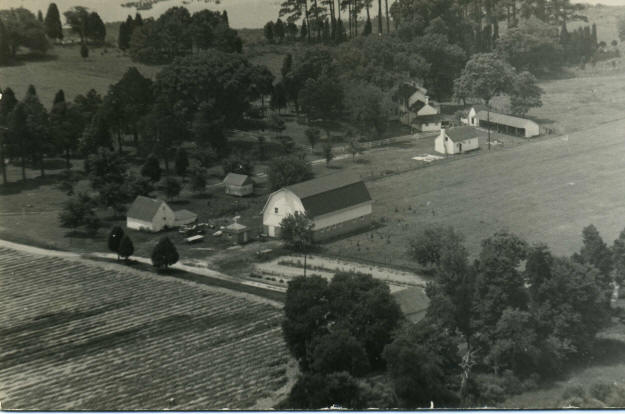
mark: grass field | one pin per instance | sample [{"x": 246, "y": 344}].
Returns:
[
  {"x": 65, "y": 69},
  {"x": 83, "y": 337},
  {"x": 546, "y": 192}
]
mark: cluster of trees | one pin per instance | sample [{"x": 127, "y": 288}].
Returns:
[
  {"x": 164, "y": 253},
  {"x": 516, "y": 314},
  {"x": 178, "y": 33},
  {"x": 126, "y": 29},
  {"x": 120, "y": 243},
  {"x": 279, "y": 31},
  {"x": 20, "y": 28},
  {"x": 87, "y": 25},
  {"x": 337, "y": 331},
  {"x": 504, "y": 319}
]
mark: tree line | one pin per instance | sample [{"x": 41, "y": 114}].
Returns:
[{"x": 492, "y": 328}]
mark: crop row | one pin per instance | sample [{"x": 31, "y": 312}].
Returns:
[{"x": 77, "y": 336}]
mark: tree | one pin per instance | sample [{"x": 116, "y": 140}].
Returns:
[
  {"x": 5, "y": 51},
  {"x": 484, "y": 77},
  {"x": 368, "y": 108},
  {"x": 595, "y": 251},
  {"x": 115, "y": 237},
  {"x": 328, "y": 155},
  {"x": 84, "y": 51},
  {"x": 296, "y": 230},
  {"x": 66, "y": 126},
  {"x": 38, "y": 128},
  {"x": 96, "y": 135},
  {"x": 151, "y": 168},
  {"x": 198, "y": 178},
  {"x": 313, "y": 135},
  {"x": 7, "y": 104},
  {"x": 125, "y": 32},
  {"x": 52, "y": 22},
  {"x": 77, "y": 17},
  {"x": 95, "y": 28},
  {"x": 423, "y": 364},
  {"x": 291, "y": 31},
  {"x": 88, "y": 105},
  {"x": 278, "y": 97},
  {"x": 126, "y": 248},
  {"x": 78, "y": 211},
  {"x": 354, "y": 147},
  {"x": 171, "y": 187},
  {"x": 428, "y": 246},
  {"x": 322, "y": 98},
  {"x": 40, "y": 16},
  {"x": 164, "y": 254},
  {"x": 208, "y": 131},
  {"x": 287, "y": 170},
  {"x": 317, "y": 391},
  {"x": 22, "y": 29},
  {"x": 338, "y": 351},
  {"x": 525, "y": 94},
  {"x": 618, "y": 258},
  {"x": 18, "y": 130},
  {"x": 105, "y": 167},
  {"x": 238, "y": 163},
  {"x": 287, "y": 65},
  {"x": 182, "y": 162},
  {"x": 279, "y": 30}
]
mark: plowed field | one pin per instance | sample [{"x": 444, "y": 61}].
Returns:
[{"x": 78, "y": 336}]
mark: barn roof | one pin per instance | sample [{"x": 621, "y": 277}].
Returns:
[
  {"x": 144, "y": 208},
  {"x": 237, "y": 179},
  {"x": 461, "y": 133},
  {"x": 426, "y": 118},
  {"x": 330, "y": 193},
  {"x": 502, "y": 119}
]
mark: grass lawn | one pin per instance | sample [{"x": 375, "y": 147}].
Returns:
[{"x": 65, "y": 69}]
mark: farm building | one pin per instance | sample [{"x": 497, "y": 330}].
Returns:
[
  {"x": 238, "y": 232},
  {"x": 415, "y": 108},
  {"x": 154, "y": 215},
  {"x": 506, "y": 124},
  {"x": 457, "y": 140},
  {"x": 337, "y": 204},
  {"x": 238, "y": 184}
]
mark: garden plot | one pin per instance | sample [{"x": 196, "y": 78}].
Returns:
[
  {"x": 284, "y": 268},
  {"x": 78, "y": 336}
]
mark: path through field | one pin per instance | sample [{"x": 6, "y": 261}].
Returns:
[{"x": 76, "y": 335}]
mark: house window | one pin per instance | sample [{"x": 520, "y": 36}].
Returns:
[{"x": 275, "y": 210}]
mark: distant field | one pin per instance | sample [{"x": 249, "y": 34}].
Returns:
[
  {"x": 77, "y": 336},
  {"x": 65, "y": 69}
]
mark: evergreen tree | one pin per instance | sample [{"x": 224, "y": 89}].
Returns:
[
  {"x": 84, "y": 51},
  {"x": 138, "y": 20},
  {"x": 268, "y": 31},
  {"x": 18, "y": 136},
  {"x": 151, "y": 168},
  {"x": 115, "y": 237},
  {"x": 37, "y": 121},
  {"x": 5, "y": 50},
  {"x": 595, "y": 251},
  {"x": 52, "y": 22},
  {"x": 95, "y": 28},
  {"x": 287, "y": 65},
  {"x": 279, "y": 30},
  {"x": 304, "y": 31},
  {"x": 40, "y": 16},
  {"x": 126, "y": 248},
  {"x": 164, "y": 254},
  {"x": 181, "y": 162},
  {"x": 123, "y": 37}
]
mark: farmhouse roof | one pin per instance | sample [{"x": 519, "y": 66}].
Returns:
[
  {"x": 413, "y": 302},
  {"x": 502, "y": 119},
  {"x": 426, "y": 118},
  {"x": 237, "y": 179},
  {"x": 330, "y": 193},
  {"x": 461, "y": 133},
  {"x": 184, "y": 215},
  {"x": 144, "y": 208}
]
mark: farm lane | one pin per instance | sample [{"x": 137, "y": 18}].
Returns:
[{"x": 208, "y": 278}]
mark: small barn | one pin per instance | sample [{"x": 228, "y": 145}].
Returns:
[
  {"x": 505, "y": 124},
  {"x": 238, "y": 184},
  {"x": 337, "y": 204},
  {"x": 457, "y": 140},
  {"x": 149, "y": 214}
]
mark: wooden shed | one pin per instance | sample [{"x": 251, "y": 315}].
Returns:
[
  {"x": 239, "y": 232},
  {"x": 238, "y": 184}
]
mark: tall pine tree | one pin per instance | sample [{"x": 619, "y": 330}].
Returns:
[{"x": 52, "y": 22}]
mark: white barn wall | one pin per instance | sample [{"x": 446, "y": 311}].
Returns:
[
  {"x": 135, "y": 224},
  {"x": 286, "y": 202}
]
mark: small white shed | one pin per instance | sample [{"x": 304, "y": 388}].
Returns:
[
  {"x": 149, "y": 214},
  {"x": 457, "y": 140},
  {"x": 238, "y": 184}
]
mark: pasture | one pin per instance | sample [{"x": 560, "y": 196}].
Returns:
[
  {"x": 545, "y": 192},
  {"x": 84, "y": 336}
]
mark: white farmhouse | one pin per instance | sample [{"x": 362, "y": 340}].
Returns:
[
  {"x": 154, "y": 215},
  {"x": 415, "y": 108},
  {"x": 457, "y": 140},
  {"x": 337, "y": 204},
  {"x": 238, "y": 184}
]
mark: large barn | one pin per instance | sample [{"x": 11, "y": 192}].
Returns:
[
  {"x": 506, "y": 124},
  {"x": 337, "y": 204},
  {"x": 151, "y": 214}
]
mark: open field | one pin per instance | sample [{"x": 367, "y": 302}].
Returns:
[
  {"x": 65, "y": 69},
  {"x": 86, "y": 337},
  {"x": 547, "y": 192}
]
